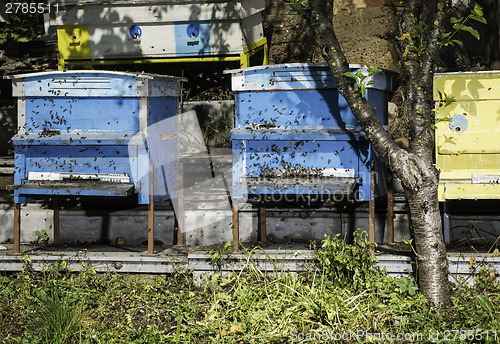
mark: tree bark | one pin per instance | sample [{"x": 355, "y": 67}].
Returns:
[
  {"x": 432, "y": 261},
  {"x": 414, "y": 167}
]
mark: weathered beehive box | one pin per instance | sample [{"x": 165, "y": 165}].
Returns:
[
  {"x": 75, "y": 131},
  {"x": 96, "y": 30},
  {"x": 467, "y": 136},
  {"x": 295, "y": 134}
]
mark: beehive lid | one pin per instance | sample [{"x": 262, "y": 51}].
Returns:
[
  {"x": 297, "y": 76},
  {"x": 70, "y": 73},
  {"x": 147, "y": 11},
  {"x": 93, "y": 83}
]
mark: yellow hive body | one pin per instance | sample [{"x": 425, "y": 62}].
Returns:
[{"x": 468, "y": 146}]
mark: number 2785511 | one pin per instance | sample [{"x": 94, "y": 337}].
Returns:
[{"x": 34, "y": 7}]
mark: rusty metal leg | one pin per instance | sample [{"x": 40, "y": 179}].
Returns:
[
  {"x": 390, "y": 209},
  {"x": 371, "y": 207},
  {"x": 180, "y": 205},
  {"x": 17, "y": 228},
  {"x": 262, "y": 222},
  {"x": 236, "y": 226},
  {"x": 55, "y": 218},
  {"x": 151, "y": 212}
]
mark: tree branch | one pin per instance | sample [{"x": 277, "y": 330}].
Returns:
[
  {"x": 395, "y": 157},
  {"x": 409, "y": 61},
  {"x": 433, "y": 41}
]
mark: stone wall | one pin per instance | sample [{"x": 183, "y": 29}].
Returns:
[{"x": 363, "y": 28}]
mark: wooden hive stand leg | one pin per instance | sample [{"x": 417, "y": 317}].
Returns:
[
  {"x": 180, "y": 205},
  {"x": 17, "y": 228},
  {"x": 236, "y": 226},
  {"x": 151, "y": 212},
  {"x": 262, "y": 222}
]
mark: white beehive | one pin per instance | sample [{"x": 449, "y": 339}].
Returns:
[{"x": 100, "y": 30}]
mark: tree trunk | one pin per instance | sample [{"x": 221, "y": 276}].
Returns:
[
  {"x": 432, "y": 261},
  {"x": 414, "y": 167}
]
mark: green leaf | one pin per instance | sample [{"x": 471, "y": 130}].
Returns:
[
  {"x": 374, "y": 71},
  {"x": 478, "y": 18},
  {"x": 351, "y": 75},
  {"x": 454, "y": 20},
  {"x": 463, "y": 27},
  {"x": 360, "y": 75},
  {"x": 438, "y": 120},
  {"x": 478, "y": 10},
  {"x": 363, "y": 90},
  {"x": 446, "y": 42},
  {"x": 485, "y": 302}
]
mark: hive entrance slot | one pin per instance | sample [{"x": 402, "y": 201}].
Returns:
[
  {"x": 50, "y": 132},
  {"x": 68, "y": 176}
]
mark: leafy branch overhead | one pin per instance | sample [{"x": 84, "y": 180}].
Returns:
[
  {"x": 418, "y": 36},
  {"x": 460, "y": 25}
]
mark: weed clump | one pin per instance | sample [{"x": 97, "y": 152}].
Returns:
[{"x": 348, "y": 265}]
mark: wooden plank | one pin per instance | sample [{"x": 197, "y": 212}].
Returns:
[
  {"x": 5, "y": 161},
  {"x": 6, "y": 170},
  {"x": 151, "y": 214}
]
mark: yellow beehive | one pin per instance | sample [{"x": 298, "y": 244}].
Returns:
[{"x": 468, "y": 134}]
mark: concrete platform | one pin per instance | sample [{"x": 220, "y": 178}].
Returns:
[{"x": 274, "y": 258}]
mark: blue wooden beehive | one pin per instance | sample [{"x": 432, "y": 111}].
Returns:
[
  {"x": 295, "y": 134},
  {"x": 75, "y": 131}
]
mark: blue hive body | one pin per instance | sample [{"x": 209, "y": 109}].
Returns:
[
  {"x": 295, "y": 134},
  {"x": 75, "y": 131}
]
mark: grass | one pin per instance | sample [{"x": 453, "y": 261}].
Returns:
[{"x": 321, "y": 305}]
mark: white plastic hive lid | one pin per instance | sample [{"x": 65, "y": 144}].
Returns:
[
  {"x": 297, "y": 76},
  {"x": 93, "y": 83},
  {"x": 144, "y": 11}
]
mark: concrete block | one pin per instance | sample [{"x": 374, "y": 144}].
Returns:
[{"x": 34, "y": 217}]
